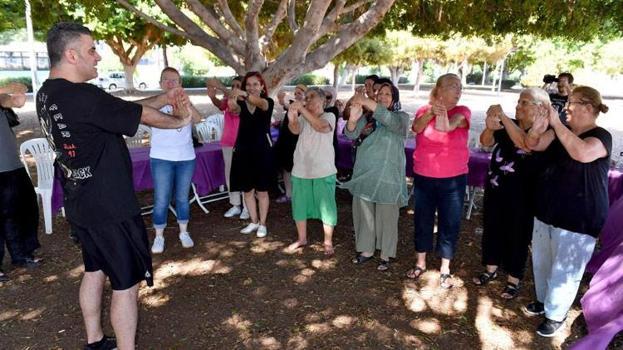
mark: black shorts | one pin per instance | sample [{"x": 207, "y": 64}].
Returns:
[{"x": 120, "y": 250}]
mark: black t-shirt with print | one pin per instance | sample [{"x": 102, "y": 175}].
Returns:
[
  {"x": 85, "y": 126},
  {"x": 573, "y": 195}
]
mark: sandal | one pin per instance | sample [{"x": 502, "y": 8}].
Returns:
[
  {"x": 415, "y": 272},
  {"x": 510, "y": 291},
  {"x": 360, "y": 259},
  {"x": 485, "y": 278},
  {"x": 383, "y": 265},
  {"x": 445, "y": 281}
]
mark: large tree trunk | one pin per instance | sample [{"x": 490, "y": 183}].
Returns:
[
  {"x": 165, "y": 57},
  {"x": 395, "y": 73},
  {"x": 484, "y": 73},
  {"x": 418, "y": 68},
  {"x": 336, "y": 75},
  {"x": 129, "y": 76},
  {"x": 239, "y": 43}
]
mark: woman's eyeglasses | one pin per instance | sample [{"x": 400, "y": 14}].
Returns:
[
  {"x": 329, "y": 97},
  {"x": 569, "y": 103}
]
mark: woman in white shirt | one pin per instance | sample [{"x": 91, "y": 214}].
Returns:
[{"x": 172, "y": 160}]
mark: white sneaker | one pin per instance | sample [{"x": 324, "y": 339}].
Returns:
[
  {"x": 233, "y": 211},
  {"x": 187, "y": 242},
  {"x": 245, "y": 214},
  {"x": 158, "y": 246},
  {"x": 262, "y": 231},
  {"x": 250, "y": 228}
]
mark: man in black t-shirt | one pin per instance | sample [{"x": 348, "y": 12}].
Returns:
[
  {"x": 559, "y": 98},
  {"x": 85, "y": 127}
]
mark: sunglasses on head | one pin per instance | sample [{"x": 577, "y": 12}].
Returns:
[{"x": 329, "y": 97}]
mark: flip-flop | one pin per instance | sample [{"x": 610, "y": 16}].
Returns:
[
  {"x": 484, "y": 278},
  {"x": 383, "y": 265},
  {"x": 415, "y": 272},
  {"x": 512, "y": 290}
]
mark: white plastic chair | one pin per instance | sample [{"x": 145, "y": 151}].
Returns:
[
  {"x": 44, "y": 159},
  {"x": 138, "y": 140},
  {"x": 205, "y": 129}
]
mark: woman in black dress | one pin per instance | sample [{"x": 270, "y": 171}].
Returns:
[
  {"x": 252, "y": 168},
  {"x": 509, "y": 191}
]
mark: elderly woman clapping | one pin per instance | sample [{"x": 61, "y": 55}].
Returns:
[
  {"x": 378, "y": 183},
  {"x": 313, "y": 172},
  {"x": 510, "y": 190}
]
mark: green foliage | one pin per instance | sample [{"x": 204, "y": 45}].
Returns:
[
  {"x": 24, "y": 80},
  {"x": 309, "y": 80},
  {"x": 195, "y": 81},
  {"x": 368, "y": 51}
]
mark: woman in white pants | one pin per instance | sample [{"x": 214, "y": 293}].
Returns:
[{"x": 571, "y": 202}]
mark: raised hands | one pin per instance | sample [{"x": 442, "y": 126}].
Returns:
[
  {"x": 237, "y": 94},
  {"x": 493, "y": 120},
  {"x": 540, "y": 124},
  {"x": 355, "y": 112},
  {"x": 14, "y": 95},
  {"x": 182, "y": 108},
  {"x": 442, "y": 123}
]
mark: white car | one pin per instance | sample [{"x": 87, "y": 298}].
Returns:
[{"x": 116, "y": 80}]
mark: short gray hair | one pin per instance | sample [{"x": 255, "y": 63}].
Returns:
[
  {"x": 60, "y": 36},
  {"x": 539, "y": 95},
  {"x": 318, "y": 91}
]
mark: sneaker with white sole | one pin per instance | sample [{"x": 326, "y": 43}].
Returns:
[
  {"x": 187, "y": 242},
  {"x": 158, "y": 246},
  {"x": 549, "y": 328},
  {"x": 261, "y": 231},
  {"x": 233, "y": 211},
  {"x": 245, "y": 214},
  {"x": 250, "y": 228}
]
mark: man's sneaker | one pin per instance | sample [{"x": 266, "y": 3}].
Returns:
[
  {"x": 262, "y": 231},
  {"x": 187, "y": 242},
  {"x": 535, "y": 308},
  {"x": 233, "y": 211},
  {"x": 549, "y": 328},
  {"x": 245, "y": 214},
  {"x": 250, "y": 228},
  {"x": 158, "y": 246},
  {"x": 107, "y": 343}
]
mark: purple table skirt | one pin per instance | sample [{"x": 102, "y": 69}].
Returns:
[
  {"x": 209, "y": 172},
  {"x": 602, "y": 304},
  {"x": 478, "y": 161}
]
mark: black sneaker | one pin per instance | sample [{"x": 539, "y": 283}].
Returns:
[
  {"x": 535, "y": 308},
  {"x": 548, "y": 328},
  {"x": 107, "y": 343},
  {"x": 3, "y": 276},
  {"x": 29, "y": 263}
]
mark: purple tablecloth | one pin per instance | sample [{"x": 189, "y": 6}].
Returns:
[
  {"x": 478, "y": 161},
  {"x": 602, "y": 304},
  {"x": 209, "y": 172}
]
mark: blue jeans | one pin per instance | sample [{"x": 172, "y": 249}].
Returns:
[
  {"x": 445, "y": 196},
  {"x": 169, "y": 176}
]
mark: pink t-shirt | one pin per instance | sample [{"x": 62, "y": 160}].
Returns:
[
  {"x": 441, "y": 154},
  {"x": 230, "y": 127}
]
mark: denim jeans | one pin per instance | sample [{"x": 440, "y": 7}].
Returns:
[
  {"x": 171, "y": 176},
  {"x": 558, "y": 259},
  {"x": 444, "y": 196}
]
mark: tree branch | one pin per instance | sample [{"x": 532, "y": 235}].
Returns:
[
  {"x": 270, "y": 30},
  {"x": 253, "y": 59},
  {"x": 197, "y": 36},
  {"x": 229, "y": 18},
  {"x": 347, "y": 35},
  {"x": 209, "y": 17},
  {"x": 354, "y": 6},
  {"x": 292, "y": 16}
]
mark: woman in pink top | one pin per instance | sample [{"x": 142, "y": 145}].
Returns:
[
  {"x": 440, "y": 166},
  {"x": 228, "y": 141}
]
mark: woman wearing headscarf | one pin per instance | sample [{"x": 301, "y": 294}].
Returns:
[
  {"x": 440, "y": 166},
  {"x": 378, "y": 183},
  {"x": 571, "y": 202},
  {"x": 510, "y": 190}
]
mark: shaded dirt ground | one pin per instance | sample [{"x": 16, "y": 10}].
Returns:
[{"x": 233, "y": 291}]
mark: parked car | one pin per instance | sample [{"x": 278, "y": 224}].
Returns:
[{"x": 116, "y": 80}]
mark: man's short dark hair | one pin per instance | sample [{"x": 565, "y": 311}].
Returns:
[
  {"x": 169, "y": 69},
  {"x": 568, "y": 75},
  {"x": 60, "y": 35},
  {"x": 372, "y": 77}
]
